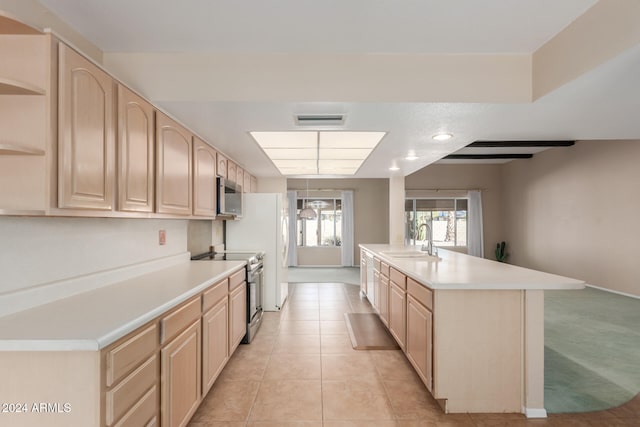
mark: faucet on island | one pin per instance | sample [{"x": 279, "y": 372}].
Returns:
[{"x": 429, "y": 246}]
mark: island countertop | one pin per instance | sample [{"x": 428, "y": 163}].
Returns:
[
  {"x": 94, "y": 319},
  {"x": 455, "y": 271}
]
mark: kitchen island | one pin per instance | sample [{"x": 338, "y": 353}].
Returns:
[{"x": 472, "y": 328}]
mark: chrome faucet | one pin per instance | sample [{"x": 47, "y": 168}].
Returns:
[{"x": 428, "y": 247}]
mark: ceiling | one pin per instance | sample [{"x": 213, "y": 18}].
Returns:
[{"x": 411, "y": 69}]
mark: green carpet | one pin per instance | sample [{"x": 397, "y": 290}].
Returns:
[{"x": 592, "y": 350}]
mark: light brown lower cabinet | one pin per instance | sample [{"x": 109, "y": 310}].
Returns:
[
  {"x": 215, "y": 343},
  {"x": 383, "y": 299},
  {"x": 237, "y": 315},
  {"x": 419, "y": 346},
  {"x": 180, "y": 377},
  {"x": 398, "y": 313}
]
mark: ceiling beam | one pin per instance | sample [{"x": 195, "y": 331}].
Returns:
[
  {"x": 528, "y": 144},
  {"x": 486, "y": 156}
]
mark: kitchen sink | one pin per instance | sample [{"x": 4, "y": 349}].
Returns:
[{"x": 411, "y": 254}]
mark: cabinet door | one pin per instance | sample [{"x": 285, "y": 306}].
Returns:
[
  {"x": 181, "y": 376},
  {"x": 136, "y": 185},
  {"x": 86, "y": 137},
  {"x": 372, "y": 293},
  {"x": 222, "y": 165},
  {"x": 232, "y": 171},
  {"x": 383, "y": 300},
  {"x": 215, "y": 343},
  {"x": 240, "y": 177},
  {"x": 397, "y": 313},
  {"x": 237, "y": 316},
  {"x": 247, "y": 183},
  {"x": 254, "y": 184},
  {"x": 173, "y": 167},
  {"x": 363, "y": 275},
  {"x": 419, "y": 346},
  {"x": 204, "y": 179}
]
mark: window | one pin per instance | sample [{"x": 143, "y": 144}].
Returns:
[
  {"x": 326, "y": 228},
  {"x": 446, "y": 217}
]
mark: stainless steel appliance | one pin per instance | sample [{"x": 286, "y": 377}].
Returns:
[
  {"x": 229, "y": 197},
  {"x": 255, "y": 282}
]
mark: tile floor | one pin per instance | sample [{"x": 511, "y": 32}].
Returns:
[{"x": 300, "y": 371}]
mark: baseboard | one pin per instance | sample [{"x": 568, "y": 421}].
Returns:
[
  {"x": 535, "y": 412},
  {"x": 624, "y": 294}
]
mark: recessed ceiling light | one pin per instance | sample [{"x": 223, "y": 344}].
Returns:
[
  {"x": 411, "y": 157},
  {"x": 442, "y": 136},
  {"x": 394, "y": 168}
]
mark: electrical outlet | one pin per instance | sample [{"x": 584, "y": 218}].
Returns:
[{"x": 162, "y": 237}]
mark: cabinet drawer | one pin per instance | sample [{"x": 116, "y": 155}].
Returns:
[
  {"x": 384, "y": 268},
  {"x": 144, "y": 412},
  {"x": 236, "y": 279},
  {"x": 219, "y": 291},
  {"x": 421, "y": 293},
  {"x": 123, "y": 396},
  {"x": 398, "y": 278},
  {"x": 177, "y": 321},
  {"x": 122, "y": 359},
  {"x": 376, "y": 264}
]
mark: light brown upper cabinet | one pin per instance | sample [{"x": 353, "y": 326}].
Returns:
[
  {"x": 247, "y": 182},
  {"x": 232, "y": 171},
  {"x": 135, "y": 153},
  {"x": 240, "y": 177},
  {"x": 204, "y": 179},
  {"x": 86, "y": 134},
  {"x": 254, "y": 184},
  {"x": 222, "y": 165},
  {"x": 174, "y": 170}
]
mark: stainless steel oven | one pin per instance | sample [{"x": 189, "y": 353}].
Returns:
[{"x": 255, "y": 282}]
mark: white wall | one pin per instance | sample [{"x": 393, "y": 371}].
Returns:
[
  {"x": 574, "y": 211},
  {"x": 37, "y": 251}
]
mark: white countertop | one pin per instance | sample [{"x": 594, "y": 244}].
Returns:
[
  {"x": 97, "y": 318},
  {"x": 460, "y": 271}
]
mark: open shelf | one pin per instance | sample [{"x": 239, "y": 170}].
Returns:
[
  {"x": 13, "y": 87},
  {"x": 8, "y": 149}
]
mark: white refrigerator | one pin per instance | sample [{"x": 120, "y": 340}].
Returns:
[{"x": 264, "y": 227}]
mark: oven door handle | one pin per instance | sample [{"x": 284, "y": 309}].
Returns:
[{"x": 258, "y": 271}]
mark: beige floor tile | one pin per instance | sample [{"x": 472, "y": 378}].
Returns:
[
  {"x": 344, "y": 366},
  {"x": 227, "y": 401},
  {"x": 333, "y": 327},
  {"x": 287, "y": 400},
  {"x": 245, "y": 365},
  {"x": 217, "y": 424},
  {"x": 293, "y": 367},
  {"x": 269, "y": 328},
  {"x": 361, "y": 423},
  {"x": 296, "y": 344},
  {"x": 335, "y": 305},
  {"x": 355, "y": 399},
  {"x": 284, "y": 424},
  {"x": 329, "y": 314},
  {"x": 299, "y": 327},
  {"x": 393, "y": 365},
  {"x": 303, "y": 314},
  {"x": 336, "y": 344},
  {"x": 411, "y": 400},
  {"x": 442, "y": 423}
]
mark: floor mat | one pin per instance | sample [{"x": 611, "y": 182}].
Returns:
[{"x": 368, "y": 333}]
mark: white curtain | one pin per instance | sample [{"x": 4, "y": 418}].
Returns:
[
  {"x": 475, "y": 240},
  {"x": 347, "y": 228},
  {"x": 292, "y": 199}
]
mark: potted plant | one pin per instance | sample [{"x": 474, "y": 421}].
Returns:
[{"x": 501, "y": 252}]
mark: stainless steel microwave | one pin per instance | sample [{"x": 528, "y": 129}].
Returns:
[{"x": 229, "y": 197}]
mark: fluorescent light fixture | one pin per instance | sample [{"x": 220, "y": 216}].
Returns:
[
  {"x": 442, "y": 136},
  {"x": 318, "y": 152}
]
